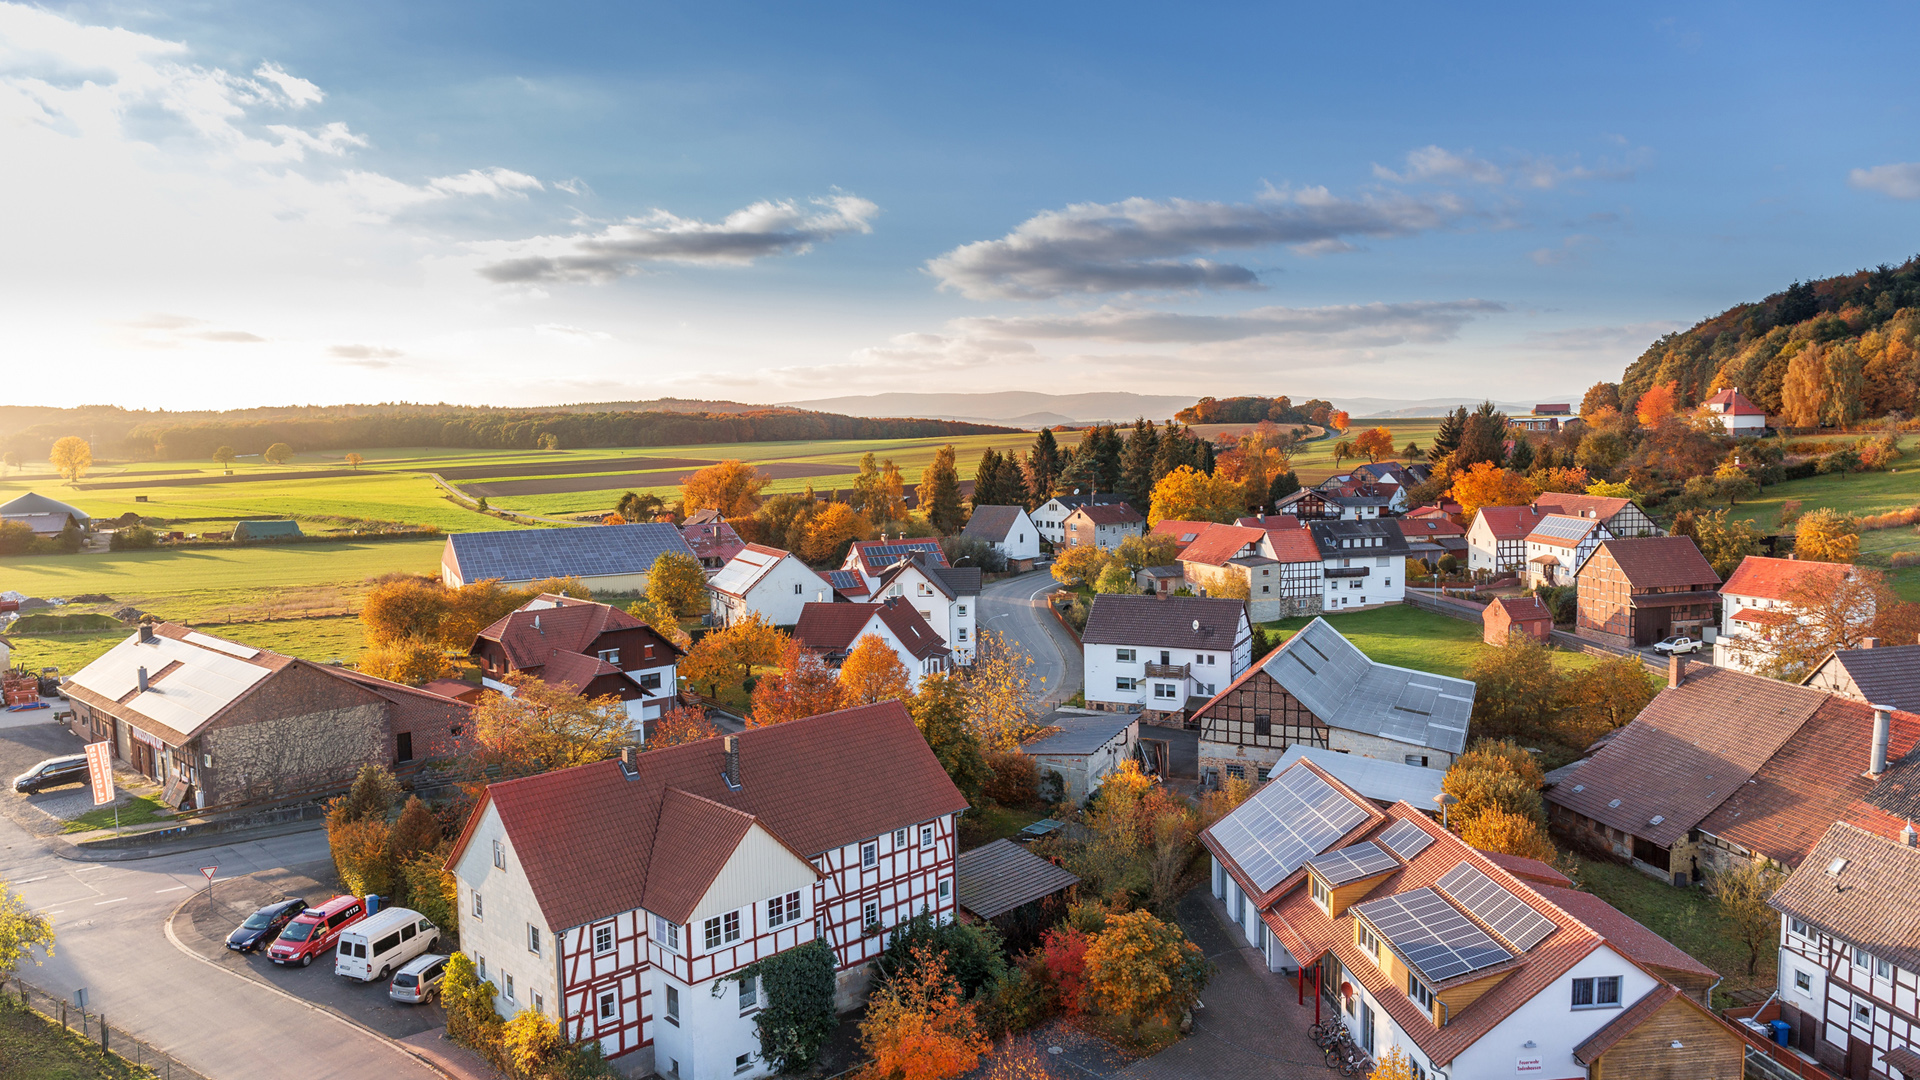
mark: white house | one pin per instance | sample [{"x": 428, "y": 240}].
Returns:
[
  {"x": 622, "y": 898},
  {"x": 1557, "y": 547},
  {"x": 869, "y": 559},
  {"x": 767, "y": 581},
  {"x": 1363, "y": 563},
  {"x": 1741, "y": 417},
  {"x": 1008, "y": 528},
  {"x": 1759, "y": 596},
  {"x": 1497, "y": 537},
  {"x": 832, "y": 630},
  {"x": 1050, "y": 517},
  {"x": 947, "y": 597},
  {"x": 1162, "y": 652}
]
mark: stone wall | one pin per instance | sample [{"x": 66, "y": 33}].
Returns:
[{"x": 269, "y": 758}]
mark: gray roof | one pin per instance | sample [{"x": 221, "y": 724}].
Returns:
[
  {"x": 1384, "y": 781},
  {"x": 264, "y": 530},
  {"x": 1164, "y": 622},
  {"x": 1347, "y": 690},
  {"x": 992, "y": 522},
  {"x": 1861, "y": 888},
  {"x": 1081, "y": 732},
  {"x": 1330, "y": 534},
  {"x": 1564, "y": 527},
  {"x": 1001, "y": 876},
  {"x": 1555, "y": 776},
  {"x": 1885, "y": 674},
  {"x": 1171, "y": 570},
  {"x": 31, "y": 503},
  {"x": 959, "y": 580},
  {"x": 594, "y": 551},
  {"x": 1073, "y": 502}
]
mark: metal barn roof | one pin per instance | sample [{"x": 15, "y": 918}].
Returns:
[
  {"x": 534, "y": 554},
  {"x": 1343, "y": 687}
]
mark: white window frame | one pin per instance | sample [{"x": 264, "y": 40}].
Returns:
[
  {"x": 1802, "y": 981},
  {"x": 1124, "y": 656},
  {"x": 507, "y": 979},
  {"x": 869, "y": 914},
  {"x": 926, "y": 836},
  {"x": 499, "y": 855},
  {"x": 869, "y": 855},
  {"x": 603, "y": 932},
  {"x": 609, "y": 1005},
  {"x": 899, "y": 839},
  {"x": 1862, "y": 1014},
  {"x": 611, "y": 656},
  {"x": 749, "y": 997},
  {"x": 533, "y": 939},
  {"x": 479, "y": 906}
]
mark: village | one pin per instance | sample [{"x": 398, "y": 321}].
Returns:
[{"x": 1131, "y": 755}]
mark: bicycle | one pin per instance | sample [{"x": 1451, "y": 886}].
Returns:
[
  {"x": 1323, "y": 1031},
  {"x": 1337, "y": 1046}
]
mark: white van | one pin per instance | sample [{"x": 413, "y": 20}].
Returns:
[{"x": 377, "y": 945}]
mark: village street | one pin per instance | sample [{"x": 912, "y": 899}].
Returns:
[{"x": 1016, "y": 608}]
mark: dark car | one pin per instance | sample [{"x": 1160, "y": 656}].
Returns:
[
  {"x": 264, "y": 925},
  {"x": 52, "y": 772}
]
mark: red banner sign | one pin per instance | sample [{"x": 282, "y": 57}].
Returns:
[{"x": 100, "y": 771}]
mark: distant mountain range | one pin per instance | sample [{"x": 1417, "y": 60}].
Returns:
[{"x": 1031, "y": 409}]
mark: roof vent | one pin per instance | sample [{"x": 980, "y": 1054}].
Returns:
[
  {"x": 142, "y": 675},
  {"x": 1656, "y": 819},
  {"x": 1579, "y": 787},
  {"x": 1882, "y": 735},
  {"x": 536, "y": 622},
  {"x": 1615, "y": 804},
  {"x": 1837, "y": 865}
]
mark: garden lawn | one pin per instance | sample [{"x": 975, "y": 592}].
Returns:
[
  {"x": 1855, "y": 493},
  {"x": 322, "y": 640},
  {"x": 35, "y": 1048},
  {"x": 1406, "y": 636},
  {"x": 140, "y": 810},
  {"x": 1686, "y": 917},
  {"x": 983, "y": 825},
  {"x": 376, "y": 496}
]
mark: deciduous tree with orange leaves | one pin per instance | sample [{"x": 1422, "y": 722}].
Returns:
[
  {"x": 830, "y": 530},
  {"x": 1340, "y": 421},
  {"x": 727, "y": 656},
  {"x": 731, "y": 487},
  {"x": 918, "y": 1028},
  {"x": 1487, "y": 484},
  {"x": 805, "y": 686},
  {"x": 683, "y": 725},
  {"x": 872, "y": 672},
  {"x": 1141, "y": 968},
  {"x": 1376, "y": 443},
  {"x": 1657, "y": 403}
]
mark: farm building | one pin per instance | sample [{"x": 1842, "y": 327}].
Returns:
[
  {"x": 265, "y": 530},
  {"x": 607, "y": 558},
  {"x": 1508, "y": 615},
  {"x": 1385, "y": 782},
  {"x": 1087, "y": 746}
]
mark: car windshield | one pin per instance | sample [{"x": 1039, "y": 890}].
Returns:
[
  {"x": 405, "y": 980},
  {"x": 259, "y": 920},
  {"x": 297, "y": 931}
]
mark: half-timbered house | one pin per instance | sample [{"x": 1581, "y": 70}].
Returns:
[
  {"x": 591, "y": 649},
  {"x": 623, "y": 899}
]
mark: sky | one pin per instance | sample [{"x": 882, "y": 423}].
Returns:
[{"x": 220, "y": 204}]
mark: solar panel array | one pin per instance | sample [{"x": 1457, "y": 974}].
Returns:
[
  {"x": 1294, "y": 817},
  {"x": 889, "y": 552},
  {"x": 1406, "y": 839},
  {"x": 1493, "y": 904},
  {"x": 1434, "y": 937},
  {"x": 1354, "y": 863}
]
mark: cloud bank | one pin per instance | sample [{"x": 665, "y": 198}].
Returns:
[{"x": 1898, "y": 181}]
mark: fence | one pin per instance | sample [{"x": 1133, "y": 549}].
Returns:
[
  {"x": 1465, "y": 610},
  {"x": 94, "y": 1028}
]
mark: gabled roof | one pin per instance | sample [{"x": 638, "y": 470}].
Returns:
[
  {"x": 1432, "y": 527},
  {"x": 1164, "y": 622},
  {"x": 1659, "y": 562},
  {"x": 1218, "y": 544},
  {"x": 1862, "y": 888},
  {"x": 695, "y": 838},
  {"x": 1532, "y": 871},
  {"x": 996, "y": 878},
  {"x": 1330, "y": 536},
  {"x": 872, "y": 557},
  {"x": 1072, "y": 501},
  {"x": 993, "y": 523},
  {"x": 1732, "y": 401},
  {"x": 1596, "y": 507},
  {"x": 1108, "y": 514},
  {"x": 532, "y": 637},
  {"x": 1562, "y": 530},
  {"x": 534, "y": 554},
  {"x": 835, "y": 628},
  {"x": 1522, "y": 608},
  {"x": 1183, "y": 532},
  {"x": 1376, "y": 778},
  {"x": 1269, "y": 522},
  {"x": 747, "y": 569},
  {"x": 1775, "y": 579},
  {"x": 192, "y": 678},
  {"x": 847, "y": 583},
  {"x": 1885, "y": 674},
  {"x": 953, "y": 582},
  {"x": 713, "y": 539},
  {"x": 1640, "y": 944},
  {"x": 586, "y": 837},
  {"x": 1690, "y": 749},
  {"x": 1293, "y": 545},
  {"x": 1079, "y": 732},
  {"x": 1510, "y": 522},
  {"x": 1627, "y": 1021}
]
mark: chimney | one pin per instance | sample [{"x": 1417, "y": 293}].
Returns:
[
  {"x": 627, "y": 766},
  {"x": 732, "y": 744},
  {"x": 1676, "y": 670},
  {"x": 146, "y": 633},
  {"x": 143, "y": 680},
  {"x": 1869, "y": 642},
  {"x": 1909, "y": 837},
  {"x": 1882, "y": 734}
]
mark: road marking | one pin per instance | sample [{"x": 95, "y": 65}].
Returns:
[
  {"x": 31, "y": 880},
  {"x": 50, "y": 914},
  {"x": 85, "y": 869},
  {"x": 218, "y": 880},
  {"x": 115, "y": 900},
  {"x": 176, "y": 888}
]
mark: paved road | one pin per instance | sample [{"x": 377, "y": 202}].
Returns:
[
  {"x": 1016, "y": 607},
  {"x": 108, "y": 919}
]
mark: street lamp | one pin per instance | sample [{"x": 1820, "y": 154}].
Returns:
[{"x": 1445, "y": 800}]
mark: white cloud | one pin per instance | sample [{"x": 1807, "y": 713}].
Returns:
[
  {"x": 769, "y": 227},
  {"x": 495, "y": 182},
  {"x": 1342, "y": 326},
  {"x": 365, "y": 355},
  {"x": 1438, "y": 165},
  {"x": 1566, "y": 250},
  {"x": 162, "y": 330},
  {"x": 298, "y": 91},
  {"x": 1148, "y": 245},
  {"x": 1431, "y": 163},
  {"x": 571, "y": 334},
  {"x": 1899, "y": 181}
]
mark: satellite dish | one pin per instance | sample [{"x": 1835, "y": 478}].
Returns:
[{"x": 1196, "y": 624}]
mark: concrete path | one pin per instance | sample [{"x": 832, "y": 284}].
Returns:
[{"x": 1016, "y": 608}]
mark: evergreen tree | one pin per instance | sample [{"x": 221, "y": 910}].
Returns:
[
  {"x": 1283, "y": 485},
  {"x": 1447, "y": 439},
  {"x": 1176, "y": 449},
  {"x": 939, "y": 492},
  {"x": 989, "y": 482},
  {"x": 1521, "y": 458},
  {"x": 1206, "y": 456},
  {"x": 1136, "y": 463},
  {"x": 1106, "y": 458},
  {"x": 1043, "y": 467}
]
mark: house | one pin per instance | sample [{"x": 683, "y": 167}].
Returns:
[
  {"x": 1509, "y": 615},
  {"x": 832, "y": 630},
  {"x": 1556, "y": 409},
  {"x": 1622, "y": 517},
  {"x": 765, "y": 581},
  {"x": 1414, "y": 940},
  {"x": 1050, "y": 517},
  {"x": 1739, "y": 415},
  {"x": 1162, "y": 653},
  {"x": 1162, "y": 580},
  {"x": 1497, "y": 538},
  {"x": 1269, "y": 522},
  {"x": 1221, "y": 554},
  {"x": 1849, "y": 964},
  {"x": 848, "y": 585},
  {"x": 617, "y": 898},
  {"x": 1008, "y": 528},
  {"x": 47, "y": 517},
  {"x": 1183, "y": 532},
  {"x": 870, "y": 559},
  {"x": 1723, "y": 767},
  {"x": 1360, "y": 500},
  {"x": 1307, "y": 504},
  {"x": 1558, "y": 546},
  {"x": 1874, "y": 673},
  {"x": 1103, "y": 526},
  {"x": 947, "y": 597},
  {"x": 1758, "y": 597},
  {"x": 1383, "y": 782},
  {"x": 1432, "y": 538},
  {"x": 607, "y": 558},
  {"x": 215, "y": 722},
  {"x": 1392, "y": 472},
  {"x": 1536, "y": 421},
  {"x": 590, "y": 649},
  {"x": 1320, "y": 690},
  {"x": 1363, "y": 563},
  {"x": 713, "y": 541},
  {"x": 1084, "y": 746},
  {"x": 1634, "y": 592}
]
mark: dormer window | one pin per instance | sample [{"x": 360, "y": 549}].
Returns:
[
  {"x": 1418, "y": 991},
  {"x": 1321, "y": 895},
  {"x": 611, "y": 656}
]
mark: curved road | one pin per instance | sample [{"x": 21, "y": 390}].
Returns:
[{"x": 1016, "y": 608}]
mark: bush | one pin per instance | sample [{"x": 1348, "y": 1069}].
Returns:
[
  {"x": 1011, "y": 779},
  {"x": 133, "y": 538},
  {"x": 797, "y": 1015},
  {"x": 1892, "y": 519},
  {"x": 1140, "y": 968},
  {"x": 1021, "y": 999},
  {"x": 970, "y": 951},
  {"x": 1905, "y": 558},
  {"x": 977, "y": 551},
  {"x": 16, "y": 538}
]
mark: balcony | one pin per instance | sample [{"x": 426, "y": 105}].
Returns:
[
  {"x": 1347, "y": 571},
  {"x": 1168, "y": 671}
]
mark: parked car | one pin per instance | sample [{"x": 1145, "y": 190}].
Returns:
[
  {"x": 374, "y": 947},
  {"x": 313, "y": 931},
  {"x": 1678, "y": 644},
  {"x": 53, "y": 772},
  {"x": 262, "y": 926},
  {"x": 419, "y": 981}
]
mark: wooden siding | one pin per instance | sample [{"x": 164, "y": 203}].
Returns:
[{"x": 1709, "y": 1050}]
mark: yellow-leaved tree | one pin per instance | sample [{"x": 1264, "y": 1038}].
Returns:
[
  {"x": 1487, "y": 484},
  {"x": 1141, "y": 968},
  {"x": 872, "y": 672},
  {"x": 1392, "y": 1065},
  {"x": 1187, "y": 494},
  {"x": 731, "y": 487},
  {"x": 1002, "y": 692},
  {"x": 71, "y": 457},
  {"x": 1079, "y": 566},
  {"x": 727, "y": 656},
  {"x": 830, "y": 530},
  {"x": 1827, "y": 536},
  {"x": 542, "y": 727}
]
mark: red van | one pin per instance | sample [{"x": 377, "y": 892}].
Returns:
[{"x": 312, "y": 932}]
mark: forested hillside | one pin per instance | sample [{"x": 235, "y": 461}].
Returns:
[{"x": 1860, "y": 334}]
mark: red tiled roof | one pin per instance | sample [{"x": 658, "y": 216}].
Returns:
[
  {"x": 585, "y": 837},
  {"x": 412, "y": 706},
  {"x": 1757, "y": 615},
  {"x": 1523, "y": 608},
  {"x": 1293, "y": 545},
  {"x": 1859, "y": 887},
  {"x": 1533, "y": 871},
  {"x": 834, "y": 628},
  {"x": 864, "y": 554},
  {"x": 1429, "y": 527},
  {"x": 572, "y": 671},
  {"x": 1773, "y": 579},
  {"x": 1183, "y": 532},
  {"x": 1510, "y": 522},
  {"x": 1269, "y": 522},
  {"x": 1220, "y": 543},
  {"x": 1735, "y": 403},
  {"x": 1546, "y": 560},
  {"x": 1640, "y": 944},
  {"x": 569, "y": 628},
  {"x": 1595, "y": 507},
  {"x": 1658, "y": 562},
  {"x": 452, "y": 688}
]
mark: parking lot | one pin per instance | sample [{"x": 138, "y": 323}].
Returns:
[{"x": 27, "y": 738}]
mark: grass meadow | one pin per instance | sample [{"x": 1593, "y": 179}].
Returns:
[{"x": 1409, "y": 637}]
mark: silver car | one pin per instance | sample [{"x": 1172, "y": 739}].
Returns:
[{"x": 417, "y": 982}]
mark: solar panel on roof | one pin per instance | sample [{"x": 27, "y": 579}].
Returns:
[
  {"x": 1438, "y": 941},
  {"x": 1406, "y": 839},
  {"x": 1290, "y": 820},
  {"x": 1350, "y": 864},
  {"x": 1495, "y": 905},
  {"x": 1416, "y": 698}
]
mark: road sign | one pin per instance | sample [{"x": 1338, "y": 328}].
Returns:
[
  {"x": 100, "y": 771},
  {"x": 209, "y": 871}
]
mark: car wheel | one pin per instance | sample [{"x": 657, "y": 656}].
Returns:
[
  {"x": 384, "y": 972},
  {"x": 307, "y": 960}
]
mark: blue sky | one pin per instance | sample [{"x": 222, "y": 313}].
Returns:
[{"x": 231, "y": 204}]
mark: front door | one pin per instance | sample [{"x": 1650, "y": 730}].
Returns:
[
  {"x": 1366, "y": 1027},
  {"x": 1806, "y": 1032},
  {"x": 1859, "y": 1059}
]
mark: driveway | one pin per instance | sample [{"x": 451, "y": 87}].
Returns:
[{"x": 1016, "y": 608}]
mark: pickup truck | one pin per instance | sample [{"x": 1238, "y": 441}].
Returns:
[{"x": 1678, "y": 644}]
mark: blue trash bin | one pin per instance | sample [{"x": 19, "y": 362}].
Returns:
[
  {"x": 373, "y": 908},
  {"x": 1780, "y": 1031}
]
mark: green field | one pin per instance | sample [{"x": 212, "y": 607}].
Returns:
[
  {"x": 35, "y": 1048},
  {"x": 1408, "y": 637},
  {"x": 321, "y": 639}
]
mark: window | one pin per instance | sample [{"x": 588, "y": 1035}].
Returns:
[
  {"x": 533, "y": 939},
  {"x": 782, "y": 910},
  {"x": 1320, "y": 894},
  {"x": 963, "y": 611},
  {"x": 1165, "y": 691},
  {"x": 869, "y": 855},
  {"x": 609, "y": 1005},
  {"x": 796, "y": 588},
  {"x": 1368, "y": 942},
  {"x": 1262, "y": 724},
  {"x": 899, "y": 838},
  {"x": 673, "y": 1005},
  {"x": 1861, "y": 957},
  {"x": 612, "y": 656},
  {"x": 1238, "y": 772},
  {"x": 1124, "y": 683},
  {"x": 742, "y": 1062},
  {"x": 711, "y": 931},
  {"x": 480, "y": 967},
  {"x": 1863, "y": 1014},
  {"x": 1418, "y": 991},
  {"x": 749, "y": 993},
  {"x": 479, "y": 908},
  {"x": 1165, "y": 657},
  {"x": 1417, "y": 759},
  {"x": 650, "y": 681},
  {"x": 603, "y": 939},
  {"x": 963, "y": 635},
  {"x": 870, "y": 913},
  {"x": 539, "y": 1003},
  {"x": 730, "y": 926},
  {"x": 507, "y": 980},
  {"x": 1882, "y": 968},
  {"x": 1602, "y": 992},
  {"x": 1124, "y": 656},
  {"x": 666, "y": 933},
  {"x": 1802, "y": 982},
  {"x": 926, "y": 836},
  {"x": 946, "y": 890},
  {"x": 499, "y": 854}
]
